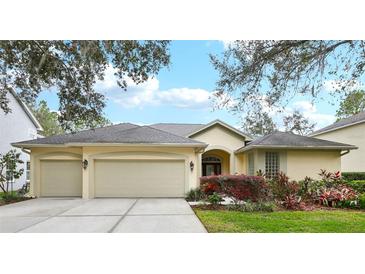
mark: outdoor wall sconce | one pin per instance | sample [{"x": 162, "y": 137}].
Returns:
[
  {"x": 85, "y": 163},
  {"x": 191, "y": 165}
]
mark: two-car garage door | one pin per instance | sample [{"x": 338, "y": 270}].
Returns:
[
  {"x": 139, "y": 178},
  {"x": 115, "y": 178}
]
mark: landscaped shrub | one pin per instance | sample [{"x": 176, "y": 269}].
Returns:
[
  {"x": 195, "y": 195},
  {"x": 238, "y": 187},
  {"x": 285, "y": 191},
  {"x": 214, "y": 199},
  {"x": 339, "y": 196},
  {"x": 357, "y": 185},
  {"x": 330, "y": 178},
  {"x": 310, "y": 190},
  {"x": 361, "y": 200},
  {"x": 351, "y": 176}
]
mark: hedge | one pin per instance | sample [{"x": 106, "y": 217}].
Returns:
[
  {"x": 240, "y": 187},
  {"x": 358, "y": 185},
  {"x": 351, "y": 176}
]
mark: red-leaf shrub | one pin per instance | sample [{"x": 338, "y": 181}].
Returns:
[
  {"x": 336, "y": 195},
  {"x": 239, "y": 187},
  {"x": 285, "y": 191}
]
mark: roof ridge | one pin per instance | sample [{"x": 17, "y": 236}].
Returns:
[
  {"x": 171, "y": 133},
  {"x": 90, "y": 129},
  {"x": 177, "y": 124}
]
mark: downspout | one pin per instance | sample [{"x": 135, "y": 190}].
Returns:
[{"x": 346, "y": 152}]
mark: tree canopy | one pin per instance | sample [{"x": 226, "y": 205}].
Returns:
[
  {"x": 51, "y": 126},
  {"x": 277, "y": 70},
  {"x": 258, "y": 124},
  {"x": 73, "y": 67},
  {"x": 48, "y": 119},
  {"x": 354, "y": 103},
  {"x": 298, "y": 124}
]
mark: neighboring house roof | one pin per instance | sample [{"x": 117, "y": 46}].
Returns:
[
  {"x": 124, "y": 133},
  {"x": 350, "y": 121},
  {"x": 293, "y": 141},
  {"x": 178, "y": 129},
  {"x": 27, "y": 110}
]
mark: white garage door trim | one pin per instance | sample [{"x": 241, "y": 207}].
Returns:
[
  {"x": 136, "y": 183},
  {"x": 66, "y": 176}
]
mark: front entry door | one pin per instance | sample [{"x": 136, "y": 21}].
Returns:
[{"x": 211, "y": 169}]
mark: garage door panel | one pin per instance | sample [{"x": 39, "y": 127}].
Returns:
[
  {"x": 139, "y": 178},
  {"x": 61, "y": 178}
]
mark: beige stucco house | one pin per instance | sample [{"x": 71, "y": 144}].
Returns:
[
  {"x": 166, "y": 160},
  {"x": 351, "y": 131}
]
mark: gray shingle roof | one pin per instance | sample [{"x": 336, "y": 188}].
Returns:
[
  {"x": 357, "y": 118},
  {"x": 179, "y": 129},
  {"x": 289, "y": 140},
  {"x": 125, "y": 133},
  {"x": 188, "y": 130}
]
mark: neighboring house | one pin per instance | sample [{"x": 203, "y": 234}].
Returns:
[
  {"x": 19, "y": 124},
  {"x": 352, "y": 131},
  {"x": 166, "y": 160}
]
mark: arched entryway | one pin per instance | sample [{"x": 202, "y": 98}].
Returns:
[{"x": 215, "y": 162}]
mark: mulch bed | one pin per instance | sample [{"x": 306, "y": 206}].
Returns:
[
  {"x": 3, "y": 202},
  {"x": 310, "y": 207}
]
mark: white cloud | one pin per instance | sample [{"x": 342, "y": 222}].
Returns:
[
  {"x": 149, "y": 94},
  {"x": 227, "y": 43},
  {"x": 310, "y": 112}
]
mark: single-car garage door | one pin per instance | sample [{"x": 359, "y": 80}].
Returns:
[
  {"x": 139, "y": 178},
  {"x": 61, "y": 178}
]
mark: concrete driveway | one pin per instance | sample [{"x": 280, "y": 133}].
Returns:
[{"x": 99, "y": 215}]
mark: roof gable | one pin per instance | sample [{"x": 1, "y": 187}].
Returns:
[{"x": 223, "y": 124}]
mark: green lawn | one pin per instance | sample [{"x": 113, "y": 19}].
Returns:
[{"x": 283, "y": 221}]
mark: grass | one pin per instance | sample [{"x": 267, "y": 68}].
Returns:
[{"x": 345, "y": 221}]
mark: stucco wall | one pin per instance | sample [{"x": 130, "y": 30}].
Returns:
[
  {"x": 221, "y": 138},
  {"x": 298, "y": 164},
  {"x": 16, "y": 126},
  {"x": 93, "y": 153},
  {"x": 352, "y": 135},
  {"x": 301, "y": 163}
]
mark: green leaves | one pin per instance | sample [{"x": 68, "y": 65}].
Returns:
[
  {"x": 354, "y": 103},
  {"x": 8, "y": 168},
  {"x": 73, "y": 67}
]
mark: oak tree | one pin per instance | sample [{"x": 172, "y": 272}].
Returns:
[{"x": 72, "y": 67}]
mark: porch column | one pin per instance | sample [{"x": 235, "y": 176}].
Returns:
[
  {"x": 232, "y": 164},
  {"x": 199, "y": 166}
]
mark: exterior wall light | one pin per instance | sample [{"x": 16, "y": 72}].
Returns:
[
  {"x": 191, "y": 165},
  {"x": 85, "y": 163}
]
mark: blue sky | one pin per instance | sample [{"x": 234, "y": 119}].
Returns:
[{"x": 180, "y": 93}]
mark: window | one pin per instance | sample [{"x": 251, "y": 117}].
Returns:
[
  {"x": 27, "y": 173},
  {"x": 272, "y": 164},
  {"x": 211, "y": 159},
  {"x": 251, "y": 168}
]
